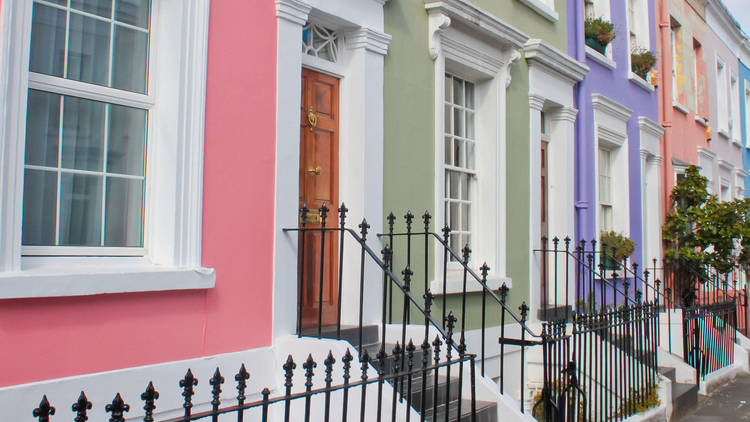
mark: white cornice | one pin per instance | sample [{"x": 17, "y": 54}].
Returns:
[
  {"x": 536, "y": 102},
  {"x": 462, "y": 12},
  {"x": 726, "y": 164},
  {"x": 369, "y": 39},
  {"x": 294, "y": 11},
  {"x": 706, "y": 153},
  {"x": 538, "y": 51},
  {"x": 650, "y": 126},
  {"x": 567, "y": 114},
  {"x": 611, "y": 136},
  {"x": 726, "y": 20},
  {"x": 611, "y": 107},
  {"x": 740, "y": 173}
]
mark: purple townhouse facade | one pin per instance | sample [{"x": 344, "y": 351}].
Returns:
[{"x": 617, "y": 151}]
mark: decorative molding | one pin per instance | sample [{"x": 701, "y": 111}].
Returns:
[
  {"x": 460, "y": 11},
  {"x": 567, "y": 114},
  {"x": 436, "y": 22},
  {"x": 700, "y": 120},
  {"x": 536, "y": 102},
  {"x": 649, "y": 126},
  {"x": 706, "y": 153},
  {"x": 467, "y": 55},
  {"x": 370, "y": 40},
  {"x": 539, "y": 52},
  {"x": 610, "y": 136},
  {"x": 726, "y": 164},
  {"x": 294, "y": 11},
  {"x": 600, "y": 58},
  {"x": 543, "y": 9},
  {"x": 613, "y": 108},
  {"x": 657, "y": 159},
  {"x": 681, "y": 108},
  {"x": 645, "y": 154},
  {"x": 514, "y": 56}
]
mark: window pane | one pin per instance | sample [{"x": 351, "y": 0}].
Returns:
[
  {"x": 130, "y": 60},
  {"x": 39, "y": 207},
  {"x": 123, "y": 213},
  {"x": 127, "y": 140},
  {"x": 470, "y": 155},
  {"x": 447, "y": 118},
  {"x": 466, "y": 241},
  {"x": 458, "y": 122},
  {"x": 83, "y": 134},
  {"x": 455, "y": 180},
  {"x": 465, "y": 186},
  {"x": 458, "y": 153},
  {"x": 448, "y": 90},
  {"x": 458, "y": 91},
  {"x": 469, "y": 95},
  {"x": 47, "y": 40},
  {"x": 88, "y": 49},
  {"x": 447, "y": 150},
  {"x": 133, "y": 12},
  {"x": 465, "y": 217},
  {"x": 42, "y": 128},
  {"x": 96, "y": 7},
  {"x": 455, "y": 244},
  {"x": 454, "y": 221},
  {"x": 470, "y": 125},
  {"x": 80, "y": 210}
]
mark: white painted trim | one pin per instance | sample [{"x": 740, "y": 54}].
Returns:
[
  {"x": 723, "y": 133},
  {"x": 650, "y": 126},
  {"x": 612, "y": 138},
  {"x": 610, "y": 107},
  {"x": 539, "y": 52},
  {"x": 176, "y": 102},
  {"x": 681, "y": 108},
  {"x": 600, "y": 58},
  {"x": 726, "y": 165},
  {"x": 706, "y": 153},
  {"x": 701, "y": 121},
  {"x": 640, "y": 82},
  {"x": 483, "y": 22},
  {"x": 543, "y": 9},
  {"x": 455, "y": 285}
]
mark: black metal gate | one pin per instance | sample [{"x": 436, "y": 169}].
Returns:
[{"x": 708, "y": 336}]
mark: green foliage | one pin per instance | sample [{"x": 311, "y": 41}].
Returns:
[
  {"x": 641, "y": 62},
  {"x": 622, "y": 245},
  {"x": 700, "y": 230},
  {"x": 599, "y": 29},
  {"x": 639, "y": 401}
]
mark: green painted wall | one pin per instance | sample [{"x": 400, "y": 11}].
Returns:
[{"x": 409, "y": 171}]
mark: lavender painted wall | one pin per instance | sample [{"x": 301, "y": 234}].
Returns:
[{"x": 615, "y": 85}]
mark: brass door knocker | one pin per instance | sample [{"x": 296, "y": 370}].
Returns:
[{"x": 312, "y": 119}]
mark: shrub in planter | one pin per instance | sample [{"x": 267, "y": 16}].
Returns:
[
  {"x": 615, "y": 247},
  {"x": 641, "y": 62},
  {"x": 599, "y": 33}
]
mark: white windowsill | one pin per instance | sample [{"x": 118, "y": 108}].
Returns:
[
  {"x": 679, "y": 107},
  {"x": 456, "y": 285},
  {"x": 640, "y": 82},
  {"x": 703, "y": 122},
  {"x": 542, "y": 8},
  {"x": 724, "y": 133},
  {"x": 599, "y": 58},
  {"x": 737, "y": 142},
  {"x": 83, "y": 280}
]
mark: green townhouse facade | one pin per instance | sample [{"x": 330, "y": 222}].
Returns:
[{"x": 477, "y": 95}]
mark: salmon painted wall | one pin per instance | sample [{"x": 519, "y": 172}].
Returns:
[{"x": 57, "y": 337}]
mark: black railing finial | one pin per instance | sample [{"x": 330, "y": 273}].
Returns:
[
  {"x": 342, "y": 214},
  {"x": 638, "y": 295},
  {"x": 451, "y": 323},
  {"x": 426, "y": 217},
  {"x": 391, "y": 220},
  {"x": 524, "y": 308},
  {"x": 289, "y": 368},
  {"x": 446, "y": 232},
  {"x": 407, "y": 273},
  {"x": 149, "y": 397},
  {"x": 323, "y": 214},
  {"x": 465, "y": 253},
  {"x": 117, "y": 408},
  {"x": 81, "y": 407},
  {"x": 44, "y": 410},
  {"x": 363, "y": 228},
  {"x": 330, "y": 360},
  {"x": 503, "y": 292},
  {"x": 485, "y": 269},
  {"x": 188, "y": 383},
  {"x": 215, "y": 383},
  {"x": 409, "y": 217},
  {"x": 241, "y": 378},
  {"x": 303, "y": 214},
  {"x": 309, "y": 365},
  {"x": 428, "y": 298}
]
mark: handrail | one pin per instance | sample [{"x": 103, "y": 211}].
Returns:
[
  {"x": 383, "y": 267},
  {"x": 468, "y": 269}
]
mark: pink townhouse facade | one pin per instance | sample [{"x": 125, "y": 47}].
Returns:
[{"x": 160, "y": 249}]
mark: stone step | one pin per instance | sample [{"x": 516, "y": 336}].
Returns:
[
  {"x": 669, "y": 373},
  {"x": 348, "y": 333},
  {"x": 684, "y": 399},
  {"x": 486, "y": 412}
]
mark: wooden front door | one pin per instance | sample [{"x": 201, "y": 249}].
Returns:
[
  {"x": 544, "y": 224},
  {"x": 318, "y": 185}
]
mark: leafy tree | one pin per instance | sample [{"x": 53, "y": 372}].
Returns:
[{"x": 700, "y": 231}]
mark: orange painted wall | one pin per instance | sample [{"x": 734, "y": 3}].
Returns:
[{"x": 58, "y": 337}]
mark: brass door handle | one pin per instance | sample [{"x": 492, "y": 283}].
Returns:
[
  {"x": 312, "y": 118},
  {"x": 314, "y": 171}
]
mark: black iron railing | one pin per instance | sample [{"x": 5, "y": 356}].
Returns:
[
  {"x": 709, "y": 336},
  {"x": 340, "y": 398}
]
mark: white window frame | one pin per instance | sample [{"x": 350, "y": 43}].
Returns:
[
  {"x": 601, "y": 10},
  {"x": 173, "y": 190},
  {"x": 546, "y": 8},
  {"x": 696, "y": 102},
  {"x": 725, "y": 192},
  {"x": 734, "y": 106},
  {"x": 637, "y": 25},
  {"x": 673, "y": 38},
  {"x": 706, "y": 159},
  {"x": 747, "y": 112},
  {"x": 610, "y": 119},
  {"x": 722, "y": 102},
  {"x": 484, "y": 57},
  {"x": 601, "y": 174}
]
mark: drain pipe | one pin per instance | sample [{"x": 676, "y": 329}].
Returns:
[
  {"x": 665, "y": 98},
  {"x": 581, "y": 123}
]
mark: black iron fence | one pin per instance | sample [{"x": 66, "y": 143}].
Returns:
[
  {"x": 356, "y": 392},
  {"x": 709, "y": 336}
]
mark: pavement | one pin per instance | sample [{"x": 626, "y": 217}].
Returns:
[{"x": 730, "y": 402}]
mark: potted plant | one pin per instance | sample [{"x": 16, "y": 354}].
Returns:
[
  {"x": 599, "y": 33},
  {"x": 615, "y": 247},
  {"x": 641, "y": 62}
]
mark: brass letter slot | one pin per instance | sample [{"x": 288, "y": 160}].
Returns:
[{"x": 313, "y": 217}]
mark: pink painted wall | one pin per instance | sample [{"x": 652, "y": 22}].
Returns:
[{"x": 58, "y": 337}]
